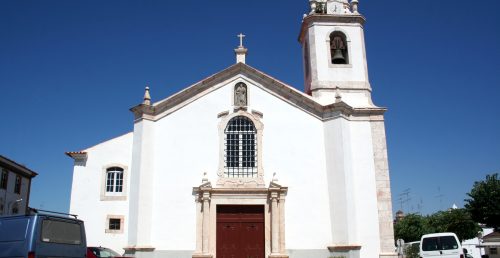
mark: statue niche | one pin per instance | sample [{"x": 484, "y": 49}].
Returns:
[{"x": 240, "y": 95}]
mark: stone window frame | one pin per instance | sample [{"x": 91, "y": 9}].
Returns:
[
  {"x": 104, "y": 196},
  {"x": 114, "y": 231},
  {"x": 239, "y": 181},
  {"x": 348, "y": 43}
]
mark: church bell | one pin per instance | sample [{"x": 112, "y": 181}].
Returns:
[{"x": 338, "y": 57}]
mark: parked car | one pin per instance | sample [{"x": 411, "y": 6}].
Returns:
[
  {"x": 101, "y": 252},
  {"x": 42, "y": 234},
  {"x": 440, "y": 245}
]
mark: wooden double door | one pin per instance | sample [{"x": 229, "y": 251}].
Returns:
[{"x": 240, "y": 231}]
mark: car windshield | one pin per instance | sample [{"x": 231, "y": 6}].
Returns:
[{"x": 104, "y": 252}]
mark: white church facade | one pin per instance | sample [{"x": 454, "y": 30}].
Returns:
[{"x": 242, "y": 165}]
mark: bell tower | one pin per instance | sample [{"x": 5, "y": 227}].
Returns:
[{"x": 334, "y": 54}]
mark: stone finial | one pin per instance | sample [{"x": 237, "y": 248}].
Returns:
[
  {"x": 312, "y": 3},
  {"x": 318, "y": 6},
  {"x": 275, "y": 179},
  {"x": 338, "y": 97},
  {"x": 147, "y": 97},
  {"x": 241, "y": 51},
  {"x": 205, "y": 178},
  {"x": 354, "y": 6}
]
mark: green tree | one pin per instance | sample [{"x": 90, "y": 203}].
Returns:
[
  {"x": 458, "y": 221},
  {"x": 412, "y": 251},
  {"x": 410, "y": 228},
  {"x": 484, "y": 202}
]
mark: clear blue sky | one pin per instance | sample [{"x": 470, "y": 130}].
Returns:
[{"x": 70, "y": 71}]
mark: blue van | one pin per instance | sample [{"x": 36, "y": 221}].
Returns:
[{"x": 42, "y": 235}]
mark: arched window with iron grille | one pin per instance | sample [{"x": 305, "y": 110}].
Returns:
[{"x": 240, "y": 158}]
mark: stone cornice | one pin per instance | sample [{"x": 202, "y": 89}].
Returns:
[
  {"x": 343, "y": 248},
  {"x": 143, "y": 111},
  {"x": 80, "y": 157},
  {"x": 264, "y": 191},
  {"x": 139, "y": 248},
  {"x": 330, "y": 18},
  {"x": 76, "y": 155},
  {"x": 275, "y": 87}
]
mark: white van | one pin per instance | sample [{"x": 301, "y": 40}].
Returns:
[{"x": 440, "y": 245}]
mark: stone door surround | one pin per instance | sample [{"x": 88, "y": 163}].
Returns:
[{"x": 272, "y": 198}]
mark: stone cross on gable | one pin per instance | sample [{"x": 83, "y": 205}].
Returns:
[
  {"x": 241, "y": 51},
  {"x": 241, "y": 36}
]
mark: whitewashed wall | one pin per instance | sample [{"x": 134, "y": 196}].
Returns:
[
  {"x": 328, "y": 167},
  {"x": 351, "y": 177},
  {"x": 187, "y": 144},
  {"x": 86, "y": 192}
]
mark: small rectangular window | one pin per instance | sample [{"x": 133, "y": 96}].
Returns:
[
  {"x": 493, "y": 250},
  {"x": 114, "y": 224},
  {"x": 4, "y": 178},
  {"x": 17, "y": 186}
]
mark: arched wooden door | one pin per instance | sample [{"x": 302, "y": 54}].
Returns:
[{"x": 240, "y": 231}]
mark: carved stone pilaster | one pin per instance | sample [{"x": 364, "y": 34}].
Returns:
[
  {"x": 277, "y": 195},
  {"x": 275, "y": 223},
  {"x": 202, "y": 198},
  {"x": 206, "y": 217}
]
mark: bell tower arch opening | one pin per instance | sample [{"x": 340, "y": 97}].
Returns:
[
  {"x": 333, "y": 46},
  {"x": 339, "y": 52}
]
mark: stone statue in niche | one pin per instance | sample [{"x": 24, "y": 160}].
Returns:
[{"x": 240, "y": 95}]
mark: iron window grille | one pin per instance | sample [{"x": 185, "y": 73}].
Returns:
[
  {"x": 114, "y": 180},
  {"x": 240, "y": 148}
]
